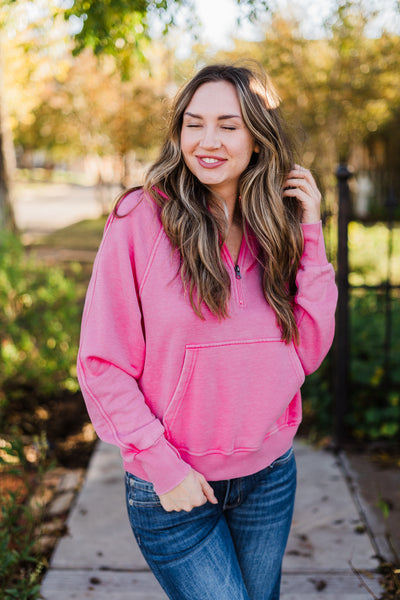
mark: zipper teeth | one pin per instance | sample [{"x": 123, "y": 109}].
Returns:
[
  {"x": 239, "y": 288},
  {"x": 239, "y": 276},
  {"x": 237, "y": 272}
]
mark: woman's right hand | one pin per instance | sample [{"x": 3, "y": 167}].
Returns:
[{"x": 193, "y": 491}]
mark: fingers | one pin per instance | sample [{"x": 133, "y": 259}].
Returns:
[
  {"x": 208, "y": 491},
  {"x": 182, "y": 502},
  {"x": 302, "y": 172},
  {"x": 300, "y": 184},
  {"x": 301, "y": 178},
  {"x": 193, "y": 491}
]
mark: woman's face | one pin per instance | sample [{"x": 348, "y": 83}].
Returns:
[{"x": 216, "y": 144}]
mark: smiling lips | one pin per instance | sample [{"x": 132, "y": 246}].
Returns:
[{"x": 210, "y": 162}]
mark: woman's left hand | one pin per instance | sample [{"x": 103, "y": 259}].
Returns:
[{"x": 300, "y": 184}]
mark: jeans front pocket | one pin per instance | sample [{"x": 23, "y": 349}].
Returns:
[
  {"x": 282, "y": 459},
  {"x": 140, "y": 492}
]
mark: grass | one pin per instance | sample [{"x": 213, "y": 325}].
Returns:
[
  {"x": 368, "y": 248},
  {"x": 85, "y": 235},
  {"x": 41, "y": 175},
  {"x": 369, "y": 254}
]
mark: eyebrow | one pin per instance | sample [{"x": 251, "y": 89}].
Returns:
[{"x": 221, "y": 118}]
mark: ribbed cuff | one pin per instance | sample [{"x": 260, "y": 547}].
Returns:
[
  {"x": 163, "y": 466},
  {"x": 314, "y": 244}
]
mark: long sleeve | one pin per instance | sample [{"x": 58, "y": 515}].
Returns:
[
  {"x": 111, "y": 359},
  {"x": 316, "y": 300}
]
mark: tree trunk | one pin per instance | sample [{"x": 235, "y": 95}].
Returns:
[{"x": 7, "y": 162}]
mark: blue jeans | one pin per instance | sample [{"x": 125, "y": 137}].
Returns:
[{"x": 229, "y": 551}]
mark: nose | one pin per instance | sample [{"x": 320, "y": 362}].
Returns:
[{"x": 210, "y": 138}]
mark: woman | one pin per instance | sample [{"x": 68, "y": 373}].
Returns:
[{"x": 211, "y": 298}]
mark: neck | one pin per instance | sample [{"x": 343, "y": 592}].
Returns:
[{"x": 231, "y": 208}]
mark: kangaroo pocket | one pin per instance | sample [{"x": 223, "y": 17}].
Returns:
[{"x": 231, "y": 395}]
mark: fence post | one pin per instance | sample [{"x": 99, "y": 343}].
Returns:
[
  {"x": 341, "y": 368},
  {"x": 390, "y": 205}
]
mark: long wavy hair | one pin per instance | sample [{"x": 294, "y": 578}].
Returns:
[{"x": 195, "y": 220}]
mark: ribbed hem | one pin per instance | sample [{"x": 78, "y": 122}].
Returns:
[{"x": 218, "y": 467}]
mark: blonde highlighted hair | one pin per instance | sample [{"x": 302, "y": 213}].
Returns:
[{"x": 195, "y": 221}]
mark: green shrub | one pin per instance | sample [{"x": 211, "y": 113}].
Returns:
[
  {"x": 368, "y": 253},
  {"x": 374, "y": 374},
  {"x": 39, "y": 329},
  {"x": 317, "y": 396},
  {"x": 374, "y": 371},
  {"x": 374, "y": 377},
  {"x": 21, "y": 566}
]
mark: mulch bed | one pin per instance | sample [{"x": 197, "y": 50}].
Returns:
[{"x": 64, "y": 425}]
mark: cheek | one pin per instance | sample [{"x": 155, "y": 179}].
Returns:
[
  {"x": 187, "y": 154},
  {"x": 247, "y": 147},
  {"x": 182, "y": 143},
  {"x": 185, "y": 146},
  {"x": 247, "y": 154}
]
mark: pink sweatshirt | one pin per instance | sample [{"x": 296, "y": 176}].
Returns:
[{"x": 174, "y": 391}]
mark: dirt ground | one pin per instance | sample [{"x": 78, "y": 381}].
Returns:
[{"x": 377, "y": 473}]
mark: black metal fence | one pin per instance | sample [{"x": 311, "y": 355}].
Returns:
[{"x": 386, "y": 297}]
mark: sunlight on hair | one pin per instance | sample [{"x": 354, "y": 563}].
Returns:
[{"x": 266, "y": 91}]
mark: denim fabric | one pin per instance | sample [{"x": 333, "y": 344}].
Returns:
[{"x": 229, "y": 551}]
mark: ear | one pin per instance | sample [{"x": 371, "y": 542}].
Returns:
[{"x": 256, "y": 148}]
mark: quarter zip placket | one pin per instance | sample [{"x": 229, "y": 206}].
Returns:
[{"x": 238, "y": 278}]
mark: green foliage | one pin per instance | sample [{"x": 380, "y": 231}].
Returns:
[
  {"x": 20, "y": 569},
  {"x": 20, "y": 564},
  {"x": 121, "y": 27},
  {"x": 374, "y": 369},
  {"x": 318, "y": 402},
  {"x": 368, "y": 253},
  {"x": 39, "y": 333},
  {"x": 374, "y": 399},
  {"x": 96, "y": 112},
  {"x": 374, "y": 374},
  {"x": 39, "y": 329},
  {"x": 337, "y": 91}
]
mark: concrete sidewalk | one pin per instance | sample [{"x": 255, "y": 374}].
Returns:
[{"x": 330, "y": 555}]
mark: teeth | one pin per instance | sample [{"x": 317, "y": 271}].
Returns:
[{"x": 210, "y": 160}]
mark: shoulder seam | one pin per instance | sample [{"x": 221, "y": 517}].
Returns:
[{"x": 151, "y": 259}]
